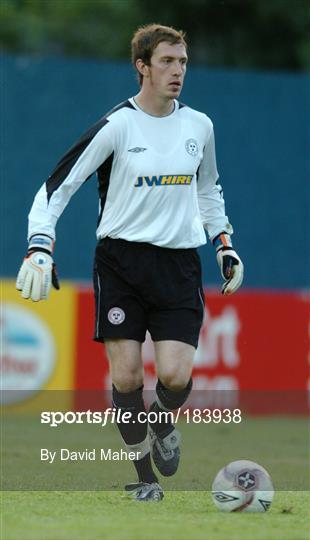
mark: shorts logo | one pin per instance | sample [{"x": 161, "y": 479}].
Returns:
[
  {"x": 191, "y": 147},
  {"x": 116, "y": 315}
]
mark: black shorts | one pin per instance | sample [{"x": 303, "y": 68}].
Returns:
[{"x": 140, "y": 287}]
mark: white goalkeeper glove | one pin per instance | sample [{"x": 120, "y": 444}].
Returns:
[
  {"x": 229, "y": 262},
  {"x": 38, "y": 271}
]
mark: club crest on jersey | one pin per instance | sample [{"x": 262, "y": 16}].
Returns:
[
  {"x": 191, "y": 147},
  {"x": 164, "y": 180}
]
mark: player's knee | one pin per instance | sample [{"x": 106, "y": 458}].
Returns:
[
  {"x": 126, "y": 365},
  {"x": 174, "y": 381},
  {"x": 128, "y": 381}
]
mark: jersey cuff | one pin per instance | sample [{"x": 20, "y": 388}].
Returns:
[{"x": 41, "y": 241}]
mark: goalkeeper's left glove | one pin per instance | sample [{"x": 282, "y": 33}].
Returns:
[
  {"x": 229, "y": 262},
  {"x": 38, "y": 271}
]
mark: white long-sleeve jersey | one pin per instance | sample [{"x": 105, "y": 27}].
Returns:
[{"x": 157, "y": 178}]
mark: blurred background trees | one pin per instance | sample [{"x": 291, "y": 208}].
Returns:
[{"x": 263, "y": 34}]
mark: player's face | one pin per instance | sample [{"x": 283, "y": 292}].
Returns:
[{"x": 167, "y": 69}]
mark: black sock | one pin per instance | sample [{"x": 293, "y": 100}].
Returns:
[
  {"x": 168, "y": 400},
  {"x": 163, "y": 425},
  {"x": 134, "y": 432}
]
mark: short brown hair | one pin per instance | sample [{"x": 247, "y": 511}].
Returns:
[{"x": 146, "y": 39}]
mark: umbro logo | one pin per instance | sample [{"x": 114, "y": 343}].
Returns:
[{"x": 137, "y": 149}]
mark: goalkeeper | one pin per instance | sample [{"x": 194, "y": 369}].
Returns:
[{"x": 159, "y": 193}]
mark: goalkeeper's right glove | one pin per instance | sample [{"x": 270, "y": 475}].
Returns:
[{"x": 38, "y": 271}]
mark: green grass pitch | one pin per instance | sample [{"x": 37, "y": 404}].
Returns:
[
  {"x": 180, "y": 516},
  {"x": 187, "y": 511}
]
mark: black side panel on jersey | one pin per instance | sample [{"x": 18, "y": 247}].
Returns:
[
  {"x": 104, "y": 173},
  {"x": 68, "y": 161},
  {"x": 120, "y": 106},
  {"x": 197, "y": 174}
]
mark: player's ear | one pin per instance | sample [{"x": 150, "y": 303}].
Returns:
[{"x": 142, "y": 68}]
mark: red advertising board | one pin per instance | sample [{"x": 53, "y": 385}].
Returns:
[{"x": 254, "y": 340}]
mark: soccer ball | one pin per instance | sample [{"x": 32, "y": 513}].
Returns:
[{"x": 242, "y": 486}]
